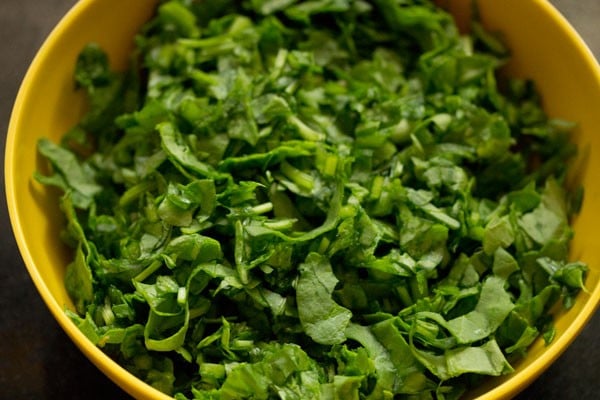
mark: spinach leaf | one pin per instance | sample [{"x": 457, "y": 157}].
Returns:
[{"x": 321, "y": 317}]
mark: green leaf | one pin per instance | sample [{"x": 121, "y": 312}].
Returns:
[
  {"x": 180, "y": 153},
  {"x": 195, "y": 248},
  {"x": 491, "y": 310},
  {"x": 79, "y": 281},
  {"x": 322, "y": 318},
  {"x": 486, "y": 359},
  {"x": 174, "y": 15},
  {"x": 92, "y": 67},
  {"x": 384, "y": 366},
  {"x": 70, "y": 175}
]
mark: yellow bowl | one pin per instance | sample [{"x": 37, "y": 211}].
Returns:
[{"x": 544, "y": 48}]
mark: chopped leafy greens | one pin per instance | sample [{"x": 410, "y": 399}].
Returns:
[{"x": 325, "y": 199}]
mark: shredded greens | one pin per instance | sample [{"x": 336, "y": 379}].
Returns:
[{"x": 322, "y": 199}]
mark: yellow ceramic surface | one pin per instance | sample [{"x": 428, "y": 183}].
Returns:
[{"x": 544, "y": 47}]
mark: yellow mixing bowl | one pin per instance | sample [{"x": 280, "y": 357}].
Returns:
[{"x": 544, "y": 47}]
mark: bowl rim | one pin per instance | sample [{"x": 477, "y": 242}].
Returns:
[
  {"x": 117, "y": 373},
  {"x": 135, "y": 386},
  {"x": 517, "y": 382}
]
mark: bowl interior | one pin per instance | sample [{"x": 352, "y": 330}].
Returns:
[{"x": 544, "y": 47}]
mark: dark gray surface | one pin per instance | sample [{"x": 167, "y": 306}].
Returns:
[{"x": 37, "y": 359}]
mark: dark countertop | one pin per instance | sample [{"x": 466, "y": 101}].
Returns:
[{"x": 37, "y": 359}]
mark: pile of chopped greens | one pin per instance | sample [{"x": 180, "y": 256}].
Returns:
[{"x": 324, "y": 199}]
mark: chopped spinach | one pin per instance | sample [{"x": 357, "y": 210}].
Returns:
[{"x": 327, "y": 199}]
